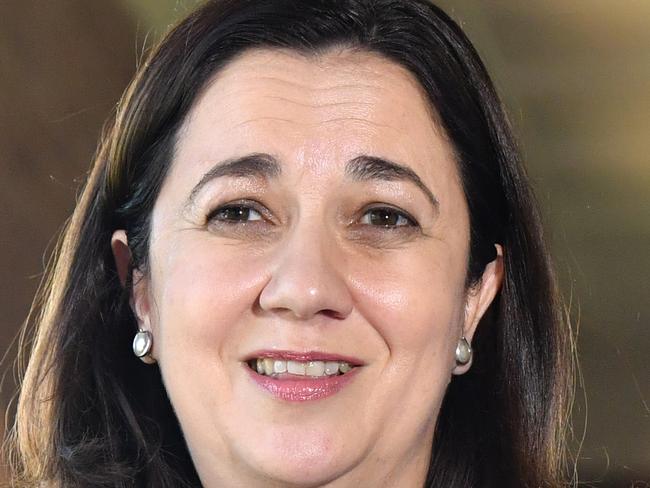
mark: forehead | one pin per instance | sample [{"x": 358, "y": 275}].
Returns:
[{"x": 317, "y": 110}]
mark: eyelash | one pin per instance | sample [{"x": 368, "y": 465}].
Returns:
[
  {"x": 239, "y": 208},
  {"x": 388, "y": 213},
  {"x": 384, "y": 213}
]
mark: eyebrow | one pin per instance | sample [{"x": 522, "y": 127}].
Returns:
[
  {"x": 257, "y": 165},
  {"x": 367, "y": 168},
  {"x": 361, "y": 168}
]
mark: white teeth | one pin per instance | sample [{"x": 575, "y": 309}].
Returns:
[
  {"x": 270, "y": 366},
  {"x": 295, "y": 367},
  {"x": 331, "y": 368},
  {"x": 315, "y": 368},
  {"x": 279, "y": 366}
]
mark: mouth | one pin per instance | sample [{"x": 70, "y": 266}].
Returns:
[
  {"x": 283, "y": 368},
  {"x": 297, "y": 377}
]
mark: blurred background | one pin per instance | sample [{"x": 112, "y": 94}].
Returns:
[{"x": 575, "y": 77}]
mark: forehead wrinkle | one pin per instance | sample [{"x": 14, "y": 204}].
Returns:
[
  {"x": 368, "y": 69},
  {"x": 264, "y": 119},
  {"x": 320, "y": 122},
  {"x": 244, "y": 72},
  {"x": 340, "y": 72},
  {"x": 323, "y": 105},
  {"x": 356, "y": 119},
  {"x": 305, "y": 96},
  {"x": 261, "y": 75},
  {"x": 310, "y": 111},
  {"x": 248, "y": 75},
  {"x": 316, "y": 88}
]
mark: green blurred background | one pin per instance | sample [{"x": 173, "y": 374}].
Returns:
[{"x": 575, "y": 77}]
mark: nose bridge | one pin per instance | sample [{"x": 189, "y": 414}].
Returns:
[{"x": 308, "y": 276}]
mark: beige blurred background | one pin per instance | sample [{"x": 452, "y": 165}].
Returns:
[{"x": 575, "y": 76}]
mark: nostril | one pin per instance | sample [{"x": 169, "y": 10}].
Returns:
[
  {"x": 303, "y": 285},
  {"x": 333, "y": 314}
]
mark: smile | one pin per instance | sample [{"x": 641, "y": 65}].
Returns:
[
  {"x": 280, "y": 368},
  {"x": 297, "y": 377}
]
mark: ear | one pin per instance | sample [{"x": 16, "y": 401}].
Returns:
[
  {"x": 139, "y": 295},
  {"x": 121, "y": 255},
  {"x": 479, "y": 298}
]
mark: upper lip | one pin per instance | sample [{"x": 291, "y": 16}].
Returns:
[{"x": 303, "y": 356}]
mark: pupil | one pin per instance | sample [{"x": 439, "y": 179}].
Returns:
[
  {"x": 236, "y": 213},
  {"x": 383, "y": 217}
]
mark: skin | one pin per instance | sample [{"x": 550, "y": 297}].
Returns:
[{"x": 309, "y": 270}]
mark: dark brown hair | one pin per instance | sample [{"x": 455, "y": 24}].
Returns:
[{"x": 90, "y": 414}]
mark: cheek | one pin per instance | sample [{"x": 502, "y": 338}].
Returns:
[
  {"x": 416, "y": 307},
  {"x": 416, "y": 303},
  {"x": 203, "y": 295}
]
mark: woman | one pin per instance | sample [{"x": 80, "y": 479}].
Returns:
[{"x": 310, "y": 221}]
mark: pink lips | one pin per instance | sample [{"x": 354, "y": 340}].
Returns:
[{"x": 302, "y": 388}]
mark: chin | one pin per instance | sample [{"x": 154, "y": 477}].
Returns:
[{"x": 302, "y": 457}]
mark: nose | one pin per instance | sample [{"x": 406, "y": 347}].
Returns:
[{"x": 307, "y": 279}]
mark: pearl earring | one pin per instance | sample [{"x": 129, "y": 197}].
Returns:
[
  {"x": 463, "y": 352},
  {"x": 142, "y": 343}
]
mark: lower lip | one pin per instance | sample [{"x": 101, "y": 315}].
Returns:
[{"x": 304, "y": 389}]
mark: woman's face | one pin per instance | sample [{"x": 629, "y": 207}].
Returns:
[{"x": 313, "y": 219}]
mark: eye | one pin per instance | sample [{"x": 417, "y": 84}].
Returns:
[
  {"x": 235, "y": 214},
  {"x": 387, "y": 217}
]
